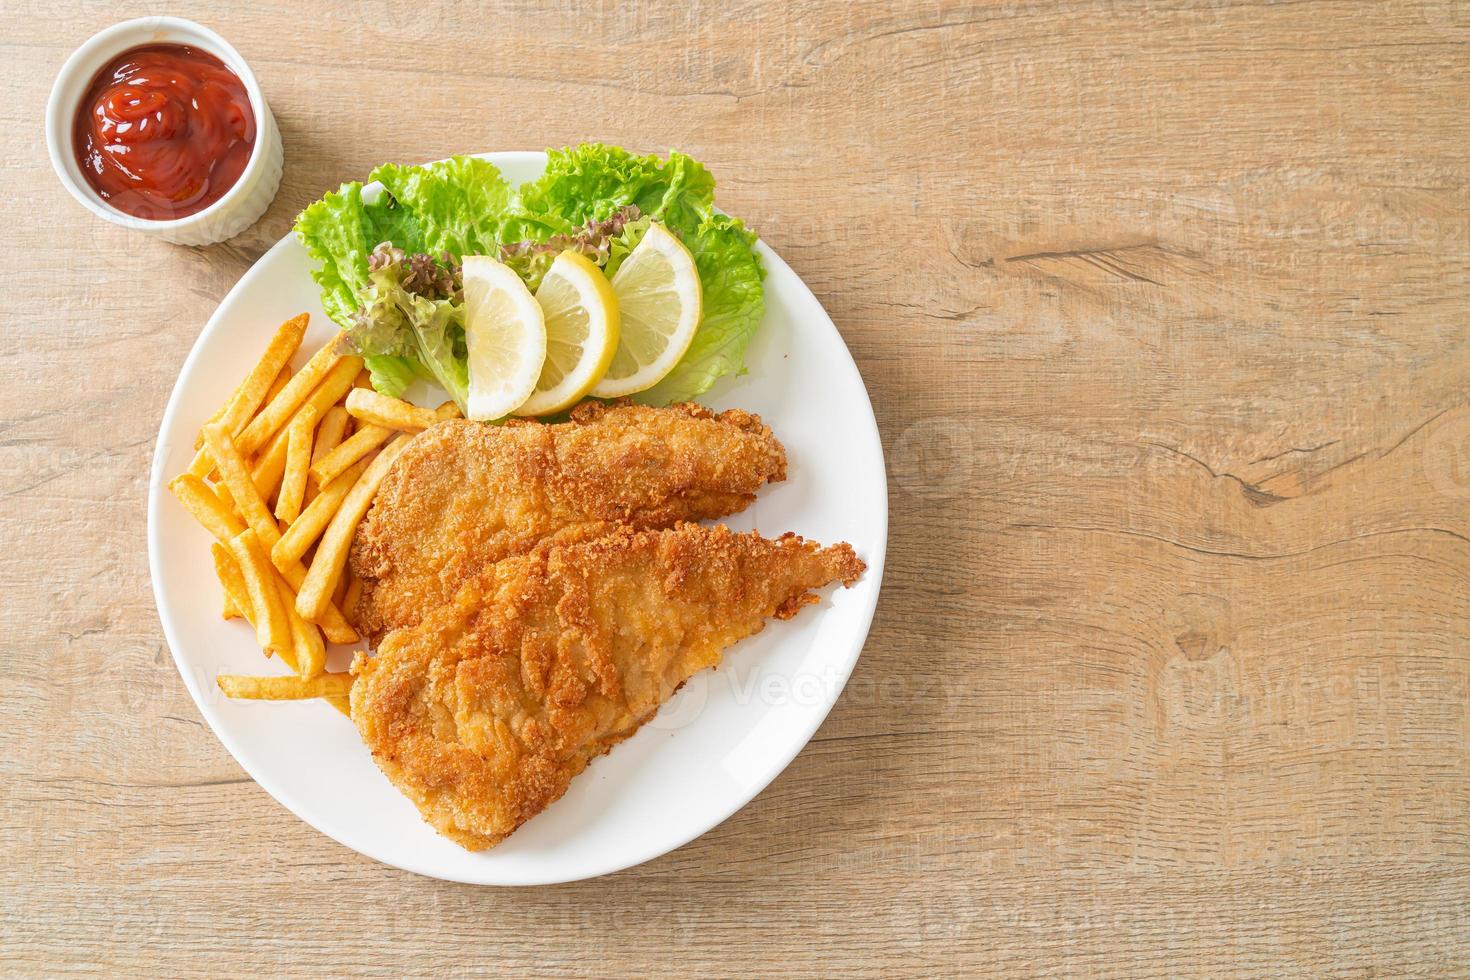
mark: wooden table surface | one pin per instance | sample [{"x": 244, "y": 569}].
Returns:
[{"x": 1164, "y": 308}]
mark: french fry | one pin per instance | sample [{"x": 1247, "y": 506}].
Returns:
[
  {"x": 298, "y": 459},
  {"x": 272, "y": 627},
  {"x": 282, "y": 377},
  {"x": 234, "y": 585},
  {"x": 270, "y": 465},
  {"x": 315, "y": 594},
  {"x": 311, "y": 649},
  {"x": 257, "y": 383},
  {"x": 218, "y": 414},
  {"x": 234, "y": 582},
  {"x": 236, "y": 478},
  {"x": 330, "y": 432},
  {"x": 253, "y": 390},
  {"x": 237, "y": 599},
  {"x": 285, "y": 687},
  {"x": 203, "y": 463},
  {"x": 284, "y": 405},
  {"x": 393, "y": 413},
  {"x": 258, "y": 518},
  {"x": 223, "y": 493},
  {"x": 304, "y": 531},
  {"x": 364, "y": 380},
  {"x": 306, "y": 639},
  {"x": 278, "y": 384},
  {"x": 332, "y": 623},
  {"x": 325, "y": 395},
  {"x": 449, "y": 410},
  {"x": 342, "y": 703},
  {"x": 201, "y": 503},
  {"x": 362, "y": 442},
  {"x": 350, "y": 597}
]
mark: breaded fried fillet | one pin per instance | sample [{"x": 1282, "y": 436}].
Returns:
[
  {"x": 484, "y": 712},
  {"x": 465, "y": 495}
]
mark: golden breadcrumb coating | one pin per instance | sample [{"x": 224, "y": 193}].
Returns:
[
  {"x": 484, "y": 712},
  {"x": 465, "y": 495}
]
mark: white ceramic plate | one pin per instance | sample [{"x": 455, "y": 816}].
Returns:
[{"x": 711, "y": 749}]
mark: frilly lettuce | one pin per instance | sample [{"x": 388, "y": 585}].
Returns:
[
  {"x": 596, "y": 239},
  {"x": 410, "y": 323},
  {"x": 336, "y": 234},
  {"x": 592, "y": 181},
  {"x": 462, "y": 206}
]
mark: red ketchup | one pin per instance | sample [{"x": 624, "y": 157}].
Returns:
[{"x": 164, "y": 131}]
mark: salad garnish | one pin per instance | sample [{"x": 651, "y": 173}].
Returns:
[{"x": 390, "y": 264}]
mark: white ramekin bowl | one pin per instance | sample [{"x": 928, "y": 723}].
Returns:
[{"x": 241, "y": 205}]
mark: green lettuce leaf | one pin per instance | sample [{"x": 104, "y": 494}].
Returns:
[
  {"x": 730, "y": 274},
  {"x": 459, "y": 205},
  {"x": 621, "y": 246},
  {"x": 335, "y": 231},
  {"x": 390, "y": 375},
  {"x": 592, "y": 181},
  {"x": 438, "y": 324}
]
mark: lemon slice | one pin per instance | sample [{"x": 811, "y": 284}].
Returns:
[
  {"x": 660, "y": 301},
  {"x": 581, "y": 333},
  {"x": 505, "y": 332}
]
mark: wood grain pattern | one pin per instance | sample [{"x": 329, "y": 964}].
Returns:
[{"x": 1164, "y": 307}]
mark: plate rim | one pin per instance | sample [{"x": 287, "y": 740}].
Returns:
[{"x": 875, "y": 561}]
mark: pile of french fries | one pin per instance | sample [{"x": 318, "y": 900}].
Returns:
[{"x": 282, "y": 475}]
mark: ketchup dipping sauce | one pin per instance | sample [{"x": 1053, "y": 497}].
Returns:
[{"x": 164, "y": 131}]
